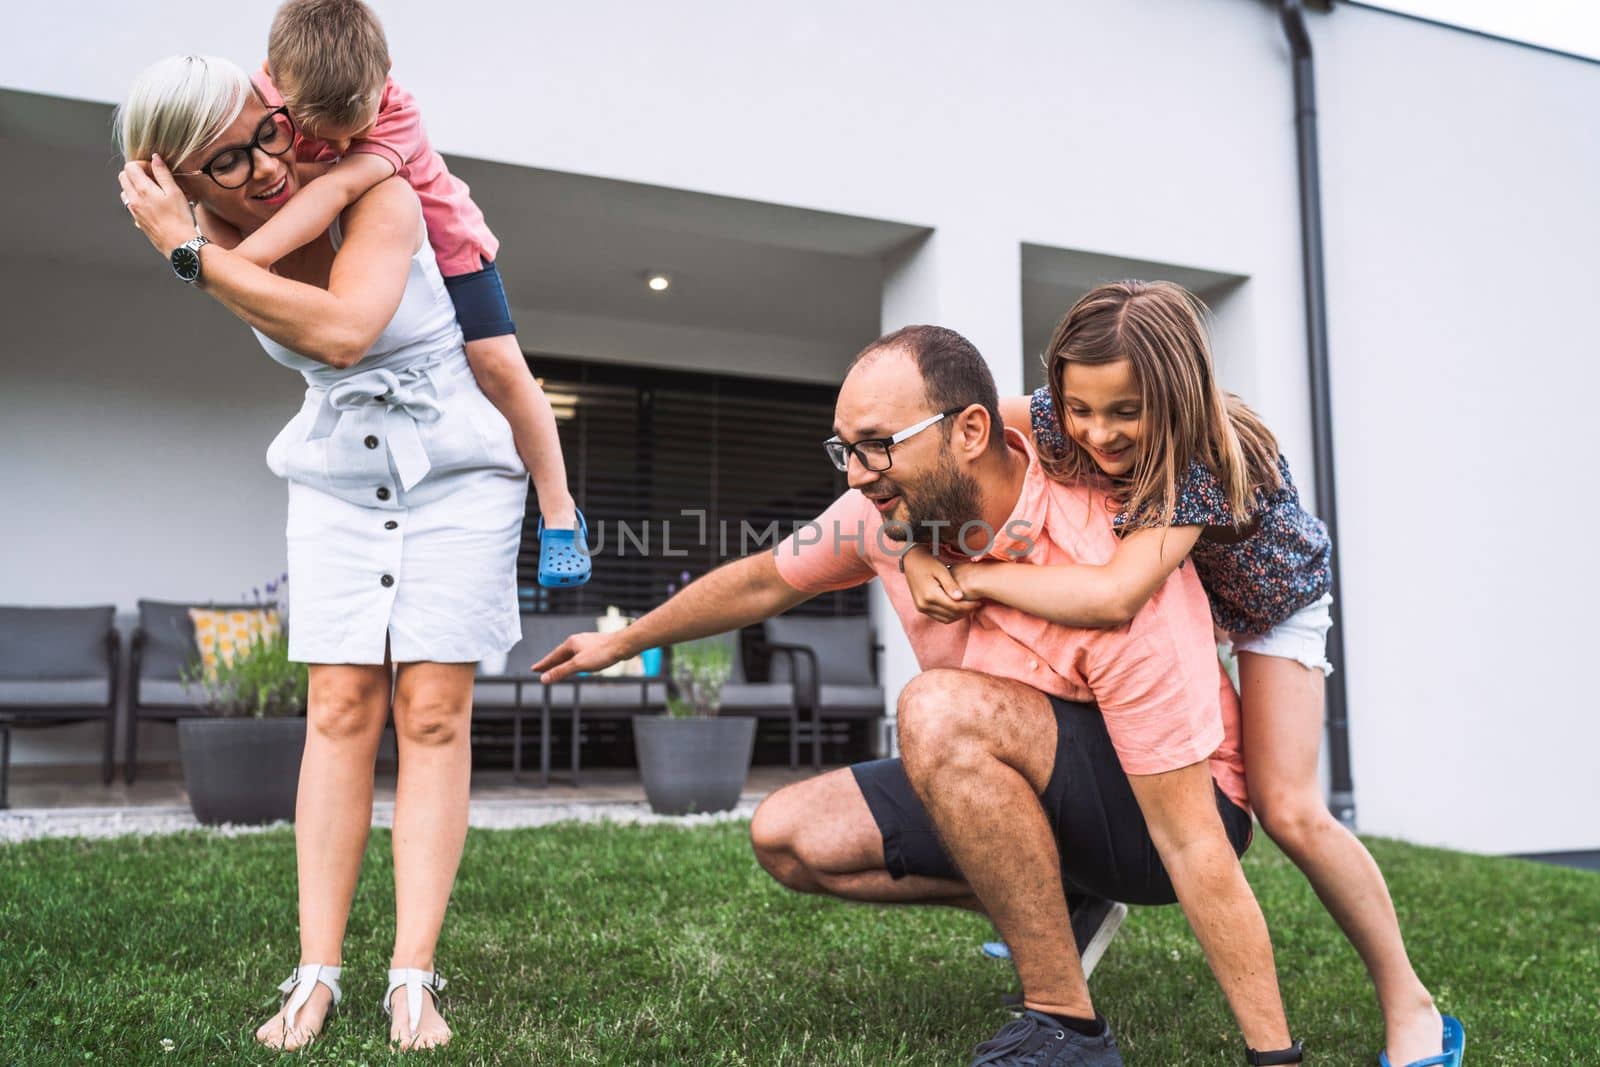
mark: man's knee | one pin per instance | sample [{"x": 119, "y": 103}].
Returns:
[
  {"x": 776, "y": 833},
  {"x": 935, "y": 721}
]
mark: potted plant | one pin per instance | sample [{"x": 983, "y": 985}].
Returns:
[
  {"x": 243, "y": 764},
  {"x": 691, "y": 760}
]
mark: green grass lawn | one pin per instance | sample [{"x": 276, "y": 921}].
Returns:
[{"x": 632, "y": 945}]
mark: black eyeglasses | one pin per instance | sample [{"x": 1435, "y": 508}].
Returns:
[
  {"x": 874, "y": 452},
  {"x": 231, "y": 167}
]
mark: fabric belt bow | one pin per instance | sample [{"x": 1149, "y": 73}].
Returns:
[{"x": 412, "y": 395}]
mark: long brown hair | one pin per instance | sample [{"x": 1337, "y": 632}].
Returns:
[{"x": 1184, "y": 416}]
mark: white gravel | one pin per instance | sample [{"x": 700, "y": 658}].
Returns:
[{"x": 30, "y": 824}]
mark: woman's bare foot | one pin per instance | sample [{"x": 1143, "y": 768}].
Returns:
[
  {"x": 276, "y": 1033},
  {"x": 429, "y": 1031}
]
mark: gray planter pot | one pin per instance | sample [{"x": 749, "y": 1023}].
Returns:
[
  {"x": 241, "y": 770},
  {"x": 693, "y": 765}
]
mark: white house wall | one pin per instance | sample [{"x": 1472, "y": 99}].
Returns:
[{"x": 1461, "y": 229}]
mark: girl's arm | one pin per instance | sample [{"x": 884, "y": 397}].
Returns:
[
  {"x": 1094, "y": 596},
  {"x": 310, "y": 212},
  {"x": 336, "y": 325},
  {"x": 1016, "y": 414}
]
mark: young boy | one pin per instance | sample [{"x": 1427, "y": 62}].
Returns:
[{"x": 328, "y": 62}]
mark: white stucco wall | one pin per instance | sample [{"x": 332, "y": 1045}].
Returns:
[{"x": 1461, "y": 229}]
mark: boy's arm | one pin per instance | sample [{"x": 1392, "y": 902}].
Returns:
[
  {"x": 310, "y": 212},
  {"x": 1098, "y": 596}
]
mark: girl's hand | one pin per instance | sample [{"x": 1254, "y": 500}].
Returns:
[
  {"x": 969, "y": 577},
  {"x": 159, "y": 208},
  {"x": 934, "y": 589}
]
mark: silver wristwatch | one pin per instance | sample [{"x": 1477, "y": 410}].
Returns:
[{"x": 186, "y": 258}]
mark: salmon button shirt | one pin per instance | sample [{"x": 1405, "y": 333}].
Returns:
[{"x": 1166, "y": 702}]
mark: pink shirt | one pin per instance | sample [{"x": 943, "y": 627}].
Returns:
[
  {"x": 1165, "y": 699},
  {"x": 461, "y": 239}
]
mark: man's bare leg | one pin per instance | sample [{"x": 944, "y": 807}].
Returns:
[
  {"x": 819, "y": 836},
  {"x": 979, "y": 751}
]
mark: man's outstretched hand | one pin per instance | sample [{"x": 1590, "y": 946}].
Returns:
[{"x": 581, "y": 652}]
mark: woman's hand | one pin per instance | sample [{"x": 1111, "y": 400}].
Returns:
[
  {"x": 158, "y": 206},
  {"x": 934, "y": 588}
]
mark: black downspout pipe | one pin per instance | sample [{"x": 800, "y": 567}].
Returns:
[{"x": 1342, "y": 799}]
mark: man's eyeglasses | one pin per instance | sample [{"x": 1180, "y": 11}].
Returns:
[
  {"x": 874, "y": 452},
  {"x": 231, "y": 167}
]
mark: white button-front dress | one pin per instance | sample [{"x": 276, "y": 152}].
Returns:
[{"x": 406, "y": 497}]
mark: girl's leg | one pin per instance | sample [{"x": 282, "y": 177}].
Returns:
[
  {"x": 432, "y": 715},
  {"x": 346, "y": 709},
  {"x": 1283, "y": 713}
]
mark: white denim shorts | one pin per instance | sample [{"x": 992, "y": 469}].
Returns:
[{"x": 1302, "y": 637}]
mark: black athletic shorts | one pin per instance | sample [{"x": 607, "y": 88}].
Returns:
[{"x": 1100, "y": 832}]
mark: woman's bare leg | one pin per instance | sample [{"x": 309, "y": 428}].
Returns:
[
  {"x": 346, "y": 709},
  {"x": 432, "y": 715}
]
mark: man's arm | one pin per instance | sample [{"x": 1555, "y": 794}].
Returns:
[
  {"x": 1180, "y": 807},
  {"x": 310, "y": 212},
  {"x": 734, "y": 595}
]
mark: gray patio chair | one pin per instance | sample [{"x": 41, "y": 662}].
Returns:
[
  {"x": 836, "y": 678},
  {"x": 518, "y": 693},
  {"x": 764, "y": 700},
  {"x": 163, "y": 647},
  {"x": 57, "y": 666}
]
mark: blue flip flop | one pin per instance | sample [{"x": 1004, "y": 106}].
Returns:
[
  {"x": 562, "y": 561},
  {"x": 997, "y": 950},
  {"x": 1455, "y": 1047}
]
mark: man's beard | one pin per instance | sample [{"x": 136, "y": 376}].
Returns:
[{"x": 936, "y": 506}]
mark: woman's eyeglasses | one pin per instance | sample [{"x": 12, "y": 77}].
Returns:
[{"x": 231, "y": 167}]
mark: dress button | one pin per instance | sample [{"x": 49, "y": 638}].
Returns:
[
  {"x": 391, "y": 525},
  {"x": 1033, "y": 664},
  {"x": 383, "y": 492},
  {"x": 370, "y": 441},
  {"x": 387, "y": 580}
]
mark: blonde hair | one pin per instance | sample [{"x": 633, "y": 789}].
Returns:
[
  {"x": 1184, "y": 415},
  {"x": 328, "y": 58},
  {"x": 179, "y": 105}
]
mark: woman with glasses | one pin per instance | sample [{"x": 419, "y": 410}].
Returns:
[{"x": 406, "y": 501}]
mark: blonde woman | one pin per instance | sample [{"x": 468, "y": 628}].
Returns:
[{"x": 406, "y": 501}]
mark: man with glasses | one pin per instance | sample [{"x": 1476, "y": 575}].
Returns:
[{"x": 1038, "y": 759}]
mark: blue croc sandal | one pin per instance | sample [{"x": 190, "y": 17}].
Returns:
[
  {"x": 562, "y": 561},
  {"x": 1455, "y": 1047}
]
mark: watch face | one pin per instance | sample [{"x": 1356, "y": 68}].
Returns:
[{"x": 186, "y": 261}]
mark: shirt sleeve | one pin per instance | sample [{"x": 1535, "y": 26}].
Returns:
[
  {"x": 830, "y": 551},
  {"x": 1047, "y": 433},
  {"x": 1157, "y": 689},
  {"x": 1202, "y": 501},
  {"x": 397, "y": 135}
]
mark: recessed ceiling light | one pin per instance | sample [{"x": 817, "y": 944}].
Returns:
[{"x": 658, "y": 282}]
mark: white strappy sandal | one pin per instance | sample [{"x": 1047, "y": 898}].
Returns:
[
  {"x": 297, "y": 988},
  {"x": 415, "y": 980}
]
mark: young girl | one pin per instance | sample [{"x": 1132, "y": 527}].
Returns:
[{"x": 1192, "y": 473}]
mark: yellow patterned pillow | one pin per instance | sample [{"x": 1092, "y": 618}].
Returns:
[{"x": 218, "y": 634}]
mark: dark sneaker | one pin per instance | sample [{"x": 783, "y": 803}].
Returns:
[
  {"x": 1095, "y": 922},
  {"x": 1036, "y": 1040}
]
